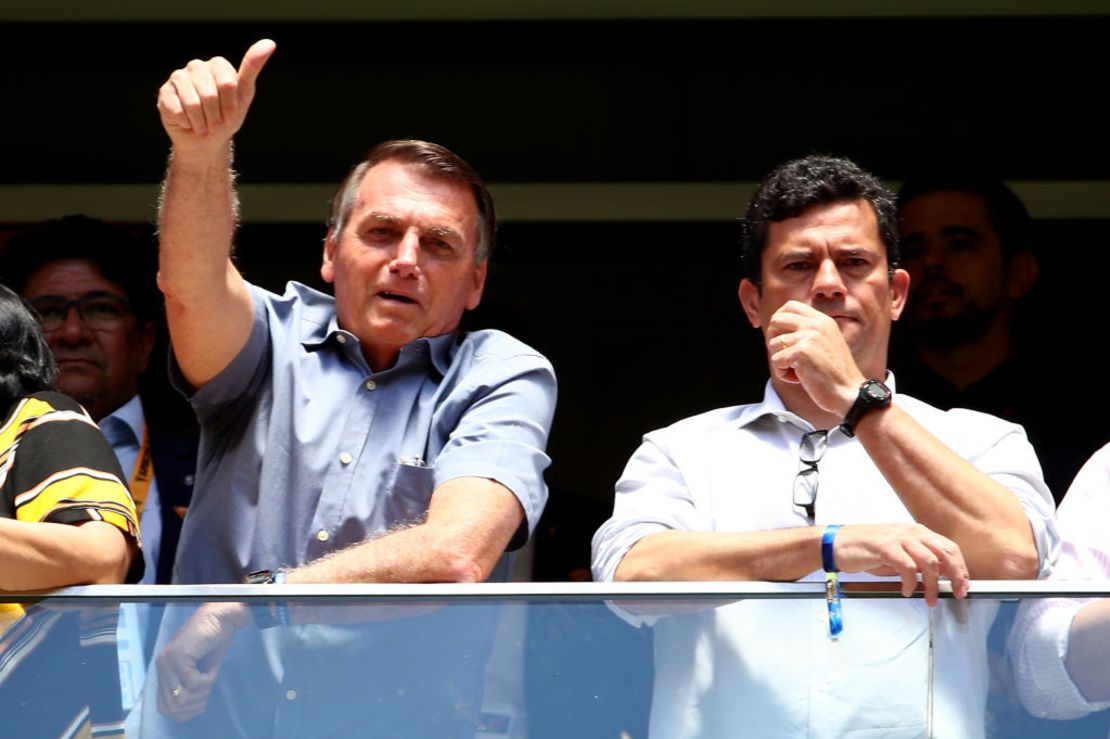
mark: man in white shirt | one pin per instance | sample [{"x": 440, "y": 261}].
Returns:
[
  {"x": 1058, "y": 646},
  {"x": 834, "y": 472}
]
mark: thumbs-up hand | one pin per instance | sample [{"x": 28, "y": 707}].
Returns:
[{"x": 203, "y": 104}]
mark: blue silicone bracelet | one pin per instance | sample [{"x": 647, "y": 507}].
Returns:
[
  {"x": 827, "y": 539},
  {"x": 832, "y": 581}
]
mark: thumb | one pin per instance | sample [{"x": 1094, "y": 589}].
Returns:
[{"x": 253, "y": 62}]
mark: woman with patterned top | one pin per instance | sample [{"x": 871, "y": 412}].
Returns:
[{"x": 66, "y": 518}]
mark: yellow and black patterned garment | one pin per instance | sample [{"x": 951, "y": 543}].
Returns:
[
  {"x": 56, "y": 466},
  {"x": 59, "y": 674}
]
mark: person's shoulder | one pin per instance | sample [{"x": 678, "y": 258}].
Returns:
[
  {"x": 304, "y": 311},
  {"x": 46, "y": 401},
  {"x": 965, "y": 420},
  {"x": 705, "y": 423},
  {"x": 1098, "y": 463},
  {"x": 47, "y": 411},
  {"x": 296, "y": 294},
  {"x": 492, "y": 345}
]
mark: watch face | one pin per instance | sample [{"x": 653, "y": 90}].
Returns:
[{"x": 876, "y": 391}]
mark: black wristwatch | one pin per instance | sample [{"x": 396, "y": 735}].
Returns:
[
  {"x": 268, "y": 615},
  {"x": 872, "y": 394},
  {"x": 261, "y": 577}
]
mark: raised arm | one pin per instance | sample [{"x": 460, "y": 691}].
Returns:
[{"x": 208, "y": 306}]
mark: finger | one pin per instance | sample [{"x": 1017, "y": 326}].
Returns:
[
  {"x": 169, "y": 107},
  {"x": 184, "y": 696},
  {"x": 892, "y": 554},
  {"x": 796, "y": 309},
  {"x": 253, "y": 62},
  {"x": 205, "y": 84},
  {"x": 782, "y": 343},
  {"x": 226, "y": 80},
  {"x": 787, "y": 373},
  {"x": 190, "y": 705},
  {"x": 783, "y": 322},
  {"x": 952, "y": 564},
  {"x": 928, "y": 565},
  {"x": 169, "y": 690},
  {"x": 190, "y": 101}
]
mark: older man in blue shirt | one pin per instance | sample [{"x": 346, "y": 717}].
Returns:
[{"x": 360, "y": 438}]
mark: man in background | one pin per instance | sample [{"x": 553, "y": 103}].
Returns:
[
  {"x": 93, "y": 287},
  {"x": 966, "y": 339}
]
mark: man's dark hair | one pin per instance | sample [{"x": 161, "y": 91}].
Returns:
[
  {"x": 121, "y": 258},
  {"x": 433, "y": 160},
  {"x": 794, "y": 187},
  {"x": 1005, "y": 210},
  {"x": 26, "y": 362}
]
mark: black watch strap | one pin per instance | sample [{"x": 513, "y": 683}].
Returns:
[
  {"x": 268, "y": 615},
  {"x": 872, "y": 394}
]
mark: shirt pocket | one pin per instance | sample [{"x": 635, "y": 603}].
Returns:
[{"x": 410, "y": 492}]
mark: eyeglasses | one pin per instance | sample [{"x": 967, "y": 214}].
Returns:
[
  {"x": 99, "y": 310},
  {"x": 813, "y": 446}
]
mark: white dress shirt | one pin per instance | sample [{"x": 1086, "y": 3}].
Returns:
[
  {"x": 1038, "y": 641},
  {"x": 768, "y": 667}
]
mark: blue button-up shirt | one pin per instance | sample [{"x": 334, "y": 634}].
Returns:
[{"x": 305, "y": 449}]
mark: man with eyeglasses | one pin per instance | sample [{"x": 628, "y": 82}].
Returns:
[
  {"x": 92, "y": 285},
  {"x": 832, "y": 475}
]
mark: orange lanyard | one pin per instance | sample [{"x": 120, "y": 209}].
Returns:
[{"x": 143, "y": 474}]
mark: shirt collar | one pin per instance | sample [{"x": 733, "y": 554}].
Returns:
[
  {"x": 772, "y": 405},
  {"x": 131, "y": 413},
  {"x": 319, "y": 329}
]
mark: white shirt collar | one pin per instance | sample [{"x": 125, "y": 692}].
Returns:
[{"x": 772, "y": 405}]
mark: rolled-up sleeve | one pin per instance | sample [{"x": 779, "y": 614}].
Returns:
[
  {"x": 651, "y": 496},
  {"x": 1039, "y": 640},
  {"x": 1012, "y": 462},
  {"x": 502, "y": 433}
]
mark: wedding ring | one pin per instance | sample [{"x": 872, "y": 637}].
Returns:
[{"x": 178, "y": 691}]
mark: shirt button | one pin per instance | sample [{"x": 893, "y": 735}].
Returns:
[
  {"x": 341, "y": 338},
  {"x": 290, "y": 695},
  {"x": 370, "y": 384},
  {"x": 346, "y": 458},
  {"x": 322, "y": 535}
]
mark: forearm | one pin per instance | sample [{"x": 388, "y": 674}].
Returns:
[
  {"x": 208, "y": 305},
  {"x": 949, "y": 495},
  {"x": 37, "y": 556},
  {"x": 414, "y": 555},
  {"x": 469, "y": 524},
  {"x": 197, "y": 217},
  {"x": 779, "y": 555}
]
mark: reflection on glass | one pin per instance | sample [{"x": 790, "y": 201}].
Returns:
[
  {"x": 579, "y": 667},
  {"x": 59, "y": 675}
]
